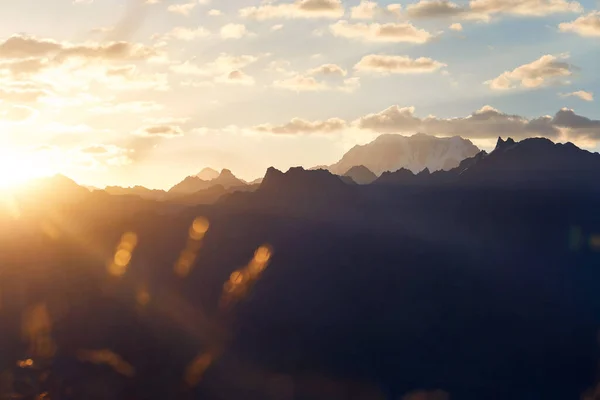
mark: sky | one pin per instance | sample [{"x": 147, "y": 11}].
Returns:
[{"x": 147, "y": 92}]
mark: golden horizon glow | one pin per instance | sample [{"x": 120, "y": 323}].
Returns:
[{"x": 19, "y": 168}]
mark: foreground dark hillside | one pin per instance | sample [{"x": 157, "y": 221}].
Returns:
[{"x": 338, "y": 291}]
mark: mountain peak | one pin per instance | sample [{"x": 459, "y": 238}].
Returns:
[
  {"x": 361, "y": 175},
  {"x": 226, "y": 173},
  {"x": 208, "y": 174},
  {"x": 503, "y": 144},
  {"x": 391, "y": 152}
]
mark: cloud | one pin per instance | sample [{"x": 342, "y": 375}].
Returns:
[
  {"x": 233, "y": 31},
  {"x": 582, "y": 94},
  {"x": 543, "y": 71},
  {"x": 397, "y": 64},
  {"x": 215, "y": 13},
  {"x": 484, "y": 10},
  {"x": 186, "y": 34},
  {"x": 17, "y": 114},
  {"x": 137, "y": 107},
  {"x": 587, "y": 25},
  {"x": 368, "y": 9},
  {"x": 103, "y": 154},
  {"x": 225, "y": 68},
  {"x": 66, "y": 65},
  {"x": 236, "y": 78},
  {"x": 350, "y": 85},
  {"x": 530, "y": 8},
  {"x": 434, "y": 9},
  {"x": 163, "y": 130},
  {"x": 456, "y": 27},
  {"x": 128, "y": 78},
  {"x": 301, "y": 83},
  {"x": 184, "y": 9},
  {"x": 21, "y": 94},
  {"x": 301, "y": 126},
  {"x": 25, "y": 47},
  {"x": 277, "y": 27},
  {"x": 328, "y": 70},
  {"x": 374, "y": 32},
  {"x": 298, "y": 9},
  {"x": 486, "y": 123}
]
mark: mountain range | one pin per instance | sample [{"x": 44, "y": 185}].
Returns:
[
  {"x": 478, "y": 282},
  {"x": 362, "y": 164}
]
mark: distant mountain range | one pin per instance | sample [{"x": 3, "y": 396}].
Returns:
[
  {"x": 204, "y": 188},
  {"x": 391, "y": 152},
  {"x": 193, "y": 184},
  {"x": 534, "y": 162}
]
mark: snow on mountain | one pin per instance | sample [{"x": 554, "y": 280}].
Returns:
[{"x": 390, "y": 152}]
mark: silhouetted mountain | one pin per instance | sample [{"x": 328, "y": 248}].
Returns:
[
  {"x": 193, "y": 184},
  {"x": 391, "y": 152},
  {"x": 298, "y": 181},
  {"x": 298, "y": 191},
  {"x": 483, "y": 291},
  {"x": 57, "y": 188},
  {"x": 361, "y": 175},
  {"x": 534, "y": 161},
  {"x": 210, "y": 195},
  {"x": 402, "y": 176},
  {"x": 208, "y": 174},
  {"x": 145, "y": 193}
]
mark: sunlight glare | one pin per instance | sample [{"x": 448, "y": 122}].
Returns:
[{"x": 18, "y": 168}]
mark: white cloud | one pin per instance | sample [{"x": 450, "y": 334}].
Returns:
[
  {"x": 486, "y": 123},
  {"x": 215, "y": 13},
  {"x": 543, "y": 71},
  {"x": 186, "y": 34},
  {"x": 182, "y": 9},
  {"x": 485, "y": 9},
  {"x": 374, "y": 32},
  {"x": 298, "y": 9},
  {"x": 397, "y": 64},
  {"x": 368, "y": 9},
  {"x": 277, "y": 27},
  {"x": 587, "y": 25},
  {"x": 20, "y": 47},
  {"x": 434, "y": 9},
  {"x": 301, "y": 83},
  {"x": 582, "y": 94},
  {"x": 365, "y": 10},
  {"x": 224, "y": 63},
  {"x": 531, "y": 8},
  {"x": 350, "y": 85},
  {"x": 233, "y": 31},
  {"x": 456, "y": 27}
]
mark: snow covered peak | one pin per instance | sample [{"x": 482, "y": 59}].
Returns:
[{"x": 390, "y": 152}]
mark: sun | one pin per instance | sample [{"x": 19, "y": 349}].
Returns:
[{"x": 17, "y": 168}]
